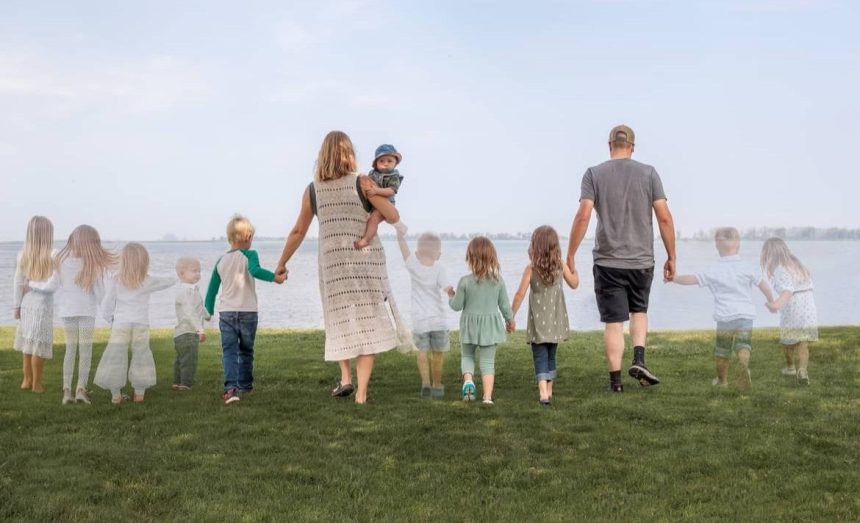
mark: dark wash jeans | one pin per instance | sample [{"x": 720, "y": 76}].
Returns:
[
  {"x": 238, "y": 330},
  {"x": 544, "y": 358}
]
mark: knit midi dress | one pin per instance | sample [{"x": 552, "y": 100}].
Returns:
[{"x": 360, "y": 315}]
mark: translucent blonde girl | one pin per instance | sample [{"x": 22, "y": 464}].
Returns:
[
  {"x": 126, "y": 308},
  {"x": 82, "y": 264},
  {"x": 34, "y": 271},
  {"x": 798, "y": 317}
]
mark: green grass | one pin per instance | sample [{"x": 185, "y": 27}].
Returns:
[{"x": 682, "y": 450}]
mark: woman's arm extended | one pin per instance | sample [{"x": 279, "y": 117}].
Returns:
[{"x": 297, "y": 234}]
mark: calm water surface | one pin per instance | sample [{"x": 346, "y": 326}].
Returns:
[{"x": 297, "y": 302}]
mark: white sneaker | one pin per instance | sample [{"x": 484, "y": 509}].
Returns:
[
  {"x": 802, "y": 377},
  {"x": 67, "y": 397},
  {"x": 789, "y": 371},
  {"x": 716, "y": 383},
  {"x": 488, "y": 402}
]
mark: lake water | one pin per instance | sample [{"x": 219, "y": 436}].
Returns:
[{"x": 297, "y": 302}]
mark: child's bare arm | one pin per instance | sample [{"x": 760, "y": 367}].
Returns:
[
  {"x": 571, "y": 277},
  {"x": 404, "y": 247},
  {"x": 766, "y": 290},
  {"x": 520, "y": 295},
  {"x": 686, "y": 279},
  {"x": 780, "y": 302}
]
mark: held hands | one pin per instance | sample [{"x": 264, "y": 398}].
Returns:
[
  {"x": 771, "y": 306},
  {"x": 510, "y": 326},
  {"x": 281, "y": 274},
  {"x": 202, "y": 337},
  {"x": 450, "y": 291},
  {"x": 669, "y": 270}
]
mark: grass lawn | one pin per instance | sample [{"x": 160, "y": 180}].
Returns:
[{"x": 681, "y": 450}]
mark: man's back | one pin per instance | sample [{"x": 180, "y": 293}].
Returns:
[{"x": 623, "y": 192}]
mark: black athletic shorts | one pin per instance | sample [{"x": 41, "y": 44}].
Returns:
[{"x": 621, "y": 292}]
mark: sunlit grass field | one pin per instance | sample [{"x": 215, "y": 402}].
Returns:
[{"x": 681, "y": 450}]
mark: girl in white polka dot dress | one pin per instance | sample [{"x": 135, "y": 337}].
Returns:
[
  {"x": 798, "y": 317},
  {"x": 548, "y": 323}
]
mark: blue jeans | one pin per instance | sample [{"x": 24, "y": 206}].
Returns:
[
  {"x": 544, "y": 357},
  {"x": 238, "y": 330}
]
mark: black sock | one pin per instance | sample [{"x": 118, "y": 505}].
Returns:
[
  {"x": 639, "y": 355},
  {"x": 615, "y": 377}
]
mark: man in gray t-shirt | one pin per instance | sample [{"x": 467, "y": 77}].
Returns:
[{"x": 624, "y": 193}]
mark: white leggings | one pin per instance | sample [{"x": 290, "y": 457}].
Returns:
[{"x": 79, "y": 336}]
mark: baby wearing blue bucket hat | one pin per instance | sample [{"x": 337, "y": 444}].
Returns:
[{"x": 388, "y": 179}]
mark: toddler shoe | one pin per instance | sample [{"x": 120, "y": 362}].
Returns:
[
  {"x": 67, "y": 396},
  {"x": 789, "y": 372},
  {"x": 426, "y": 393},
  {"x": 802, "y": 377},
  {"x": 81, "y": 396},
  {"x": 468, "y": 392}
]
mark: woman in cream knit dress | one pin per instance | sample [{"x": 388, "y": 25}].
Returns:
[{"x": 361, "y": 318}]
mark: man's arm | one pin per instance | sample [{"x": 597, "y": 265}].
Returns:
[
  {"x": 578, "y": 230},
  {"x": 667, "y": 233}
]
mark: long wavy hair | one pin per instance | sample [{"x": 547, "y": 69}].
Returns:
[
  {"x": 545, "y": 254},
  {"x": 482, "y": 259},
  {"x": 133, "y": 265},
  {"x": 336, "y": 158},
  {"x": 775, "y": 253},
  {"x": 36, "y": 261},
  {"x": 86, "y": 244}
]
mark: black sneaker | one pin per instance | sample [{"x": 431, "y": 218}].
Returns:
[
  {"x": 616, "y": 387},
  {"x": 639, "y": 372},
  {"x": 425, "y": 392}
]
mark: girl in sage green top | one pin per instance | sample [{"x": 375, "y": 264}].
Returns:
[
  {"x": 548, "y": 323},
  {"x": 481, "y": 295}
]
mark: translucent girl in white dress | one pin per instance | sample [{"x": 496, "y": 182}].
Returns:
[
  {"x": 34, "y": 271},
  {"x": 126, "y": 308},
  {"x": 798, "y": 316}
]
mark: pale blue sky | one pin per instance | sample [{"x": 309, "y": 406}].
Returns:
[{"x": 166, "y": 117}]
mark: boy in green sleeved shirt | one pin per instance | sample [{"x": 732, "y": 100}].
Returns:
[{"x": 234, "y": 274}]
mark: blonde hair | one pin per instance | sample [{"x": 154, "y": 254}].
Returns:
[
  {"x": 482, "y": 259},
  {"x": 727, "y": 233},
  {"x": 85, "y": 243},
  {"x": 545, "y": 254},
  {"x": 36, "y": 261},
  {"x": 430, "y": 239},
  {"x": 727, "y": 240},
  {"x": 775, "y": 253},
  {"x": 336, "y": 158},
  {"x": 239, "y": 229},
  {"x": 184, "y": 263},
  {"x": 133, "y": 265}
]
